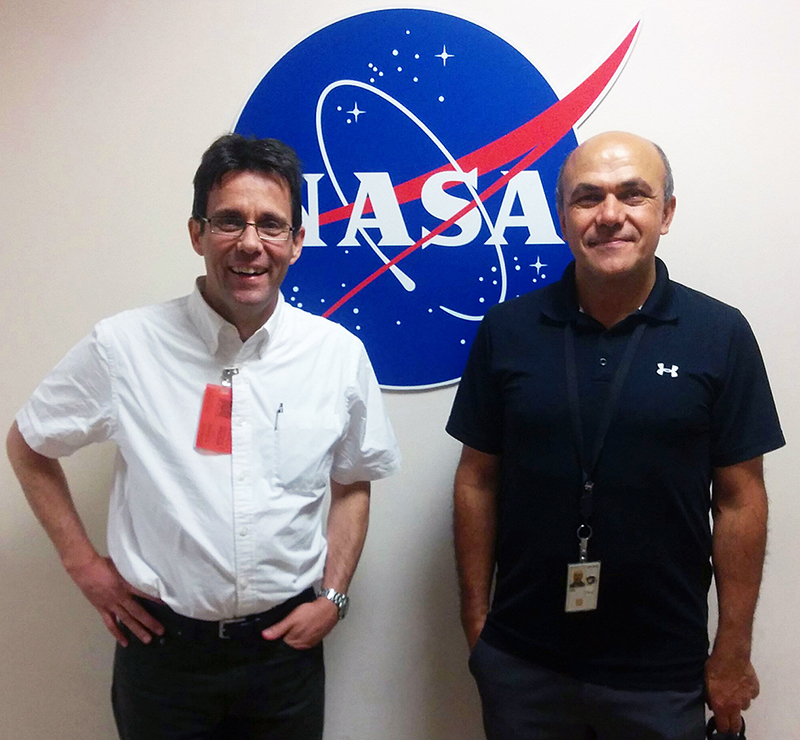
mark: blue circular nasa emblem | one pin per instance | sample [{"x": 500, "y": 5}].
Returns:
[{"x": 431, "y": 151}]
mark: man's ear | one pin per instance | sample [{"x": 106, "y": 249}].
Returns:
[
  {"x": 195, "y": 232},
  {"x": 561, "y": 220},
  {"x": 669, "y": 213},
  {"x": 297, "y": 244}
]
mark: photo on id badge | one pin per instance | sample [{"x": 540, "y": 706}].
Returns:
[{"x": 583, "y": 585}]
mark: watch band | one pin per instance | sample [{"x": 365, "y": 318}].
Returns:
[{"x": 342, "y": 601}]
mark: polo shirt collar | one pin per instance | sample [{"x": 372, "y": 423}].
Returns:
[
  {"x": 561, "y": 303},
  {"x": 661, "y": 304},
  {"x": 217, "y": 333}
]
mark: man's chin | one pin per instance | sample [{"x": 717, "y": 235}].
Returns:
[
  {"x": 616, "y": 267},
  {"x": 253, "y": 302}
]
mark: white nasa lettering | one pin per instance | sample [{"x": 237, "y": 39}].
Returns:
[
  {"x": 377, "y": 186},
  {"x": 442, "y": 205},
  {"x": 311, "y": 216},
  {"x": 527, "y": 186}
]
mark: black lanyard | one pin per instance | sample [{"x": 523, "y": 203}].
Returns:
[{"x": 588, "y": 466}]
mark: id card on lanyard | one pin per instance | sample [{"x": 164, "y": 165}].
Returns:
[
  {"x": 214, "y": 429},
  {"x": 583, "y": 576}
]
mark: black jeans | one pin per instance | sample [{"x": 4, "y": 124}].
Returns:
[{"x": 184, "y": 688}]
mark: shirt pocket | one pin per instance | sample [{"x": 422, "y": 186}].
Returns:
[{"x": 305, "y": 442}]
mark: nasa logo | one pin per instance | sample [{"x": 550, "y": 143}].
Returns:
[{"x": 431, "y": 149}]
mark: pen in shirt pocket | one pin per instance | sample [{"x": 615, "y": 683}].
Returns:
[{"x": 278, "y": 415}]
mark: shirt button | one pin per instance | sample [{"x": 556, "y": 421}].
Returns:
[
  {"x": 242, "y": 583},
  {"x": 243, "y": 532},
  {"x": 241, "y": 422},
  {"x": 242, "y": 476},
  {"x": 603, "y": 362}
]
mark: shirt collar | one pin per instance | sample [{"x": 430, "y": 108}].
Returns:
[
  {"x": 561, "y": 303},
  {"x": 661, "y": 304},
  {"x": 218, "y": 334}
]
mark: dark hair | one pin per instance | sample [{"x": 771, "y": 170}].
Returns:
[
  {"x": 669, "y": 182},
  {"x": 237, "y": 153}
]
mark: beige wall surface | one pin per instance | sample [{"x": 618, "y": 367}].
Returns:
[{"x": 105, "y": 108}]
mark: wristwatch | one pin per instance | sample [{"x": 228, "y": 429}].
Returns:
[{"x": 342, "y": 601}]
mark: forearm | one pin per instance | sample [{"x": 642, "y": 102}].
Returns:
[
  {"x": 474, "y": 531},
  {"x": 348, "y": 518},
  {"x": 739, "y": 507},
  {"x": 740, "y": 535},
  {"x": 45, "y": 487}
]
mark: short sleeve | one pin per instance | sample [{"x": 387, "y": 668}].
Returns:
[
  {"x": 477, "y": 413},
  {"x": 73, "y": 406},
  {"x": 368, "y": 449},
  {"x": 744, "y": 418}
]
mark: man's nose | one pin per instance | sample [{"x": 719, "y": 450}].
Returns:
[
  {"x": 611, "y": 211},
  {"x": 249, "y": 240}
]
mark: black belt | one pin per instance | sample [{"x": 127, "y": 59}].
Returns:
[{"x": 238, "y": 628}]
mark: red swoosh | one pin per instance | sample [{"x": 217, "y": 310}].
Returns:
[{"x": 536, "y": 137}]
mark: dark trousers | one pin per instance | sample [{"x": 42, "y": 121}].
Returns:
[
  {"x": 198, "y": 687},
  {"x": 523, "y": 701}
]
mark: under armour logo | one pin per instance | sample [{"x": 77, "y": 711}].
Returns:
[{"x": 673, "y": 371}]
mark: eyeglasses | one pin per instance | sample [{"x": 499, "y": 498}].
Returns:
[{"x": 234, "y": 226}]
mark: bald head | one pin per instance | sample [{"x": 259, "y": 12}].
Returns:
[{"x": 605, "y": 145}]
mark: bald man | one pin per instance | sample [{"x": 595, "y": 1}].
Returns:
[{"x": 602, "y": 418}]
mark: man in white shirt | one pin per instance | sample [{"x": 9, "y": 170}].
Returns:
[{"x": 233, "y": 413}]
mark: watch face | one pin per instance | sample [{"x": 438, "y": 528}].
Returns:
[{"x": 341, "y": 600}]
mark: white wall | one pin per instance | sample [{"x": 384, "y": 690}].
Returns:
[{"x": 105, "y": 108}]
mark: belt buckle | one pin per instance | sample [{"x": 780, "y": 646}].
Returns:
[{"x": 225, "y": 622}]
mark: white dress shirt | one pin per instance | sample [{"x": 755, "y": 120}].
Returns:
[{"x": 217, "y": 536}]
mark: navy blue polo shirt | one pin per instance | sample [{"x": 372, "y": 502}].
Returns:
[{"x": 696, "y": 397}]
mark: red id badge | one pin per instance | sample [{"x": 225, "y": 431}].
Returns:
[{"x": 214, "y": 430}]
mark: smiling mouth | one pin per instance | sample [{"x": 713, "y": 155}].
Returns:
[
  {"x": 614, "y": 241},
  {"x": 248, "y": 271}
]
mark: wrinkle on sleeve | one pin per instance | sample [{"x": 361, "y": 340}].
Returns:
[{"x": 73, "y": 406}]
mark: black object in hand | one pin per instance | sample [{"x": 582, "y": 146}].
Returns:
[{"x": 713, "y": 734}]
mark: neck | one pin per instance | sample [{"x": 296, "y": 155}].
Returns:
[
  {"x": 247, "y": 320},
  {"x": 249, "y": 325},
  {"x": 610, "y": 300}
]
